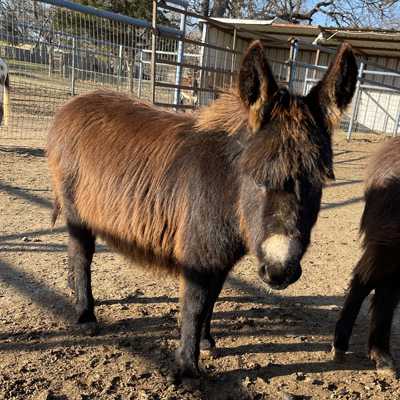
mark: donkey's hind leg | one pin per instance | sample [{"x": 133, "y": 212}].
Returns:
[
  {"x": 383, "y": 305},
  {"x": 81, "y": 247},
  {"x": 358, "y": 291}
]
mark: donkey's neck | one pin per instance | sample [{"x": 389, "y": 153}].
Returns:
[{"x": 226, "y": 114}]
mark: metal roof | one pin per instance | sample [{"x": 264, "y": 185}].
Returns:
[{"x": 279, "y": 32}]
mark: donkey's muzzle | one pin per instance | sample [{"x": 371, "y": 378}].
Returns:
[{"x": 278, "y": 277}]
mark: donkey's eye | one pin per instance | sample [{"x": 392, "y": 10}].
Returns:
[{"x": 289, "y": 185}]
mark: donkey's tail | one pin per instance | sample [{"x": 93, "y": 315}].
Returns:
[
  {"x": 56, "y": 212},
  {"x": 6, "y": 100}
]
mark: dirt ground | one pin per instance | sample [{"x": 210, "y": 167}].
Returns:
[{"x": 272, "y": 345}]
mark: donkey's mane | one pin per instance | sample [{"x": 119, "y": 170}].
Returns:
[
  {"x": 226, "y": 114},
  {"x": 292, "y": 146}
]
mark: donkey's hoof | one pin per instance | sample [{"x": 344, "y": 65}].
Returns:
[
  {"x": 89, "y": 328},
  {"x": 87, "y": 323},
  {"x": 85, "y": 316},
  {"x": 338, "y": 355},
  {"x": 387, "y": 372},
  {"x": 184, "y": 376},
  {"x": 207, "y": 344},
  {"x": 384, "y": 364},
  {"x": 208, "y": 349}
]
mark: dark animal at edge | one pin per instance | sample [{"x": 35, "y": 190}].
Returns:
[
  {"x": 378, "y": 268},
  {"x": 191, "y": 194}
]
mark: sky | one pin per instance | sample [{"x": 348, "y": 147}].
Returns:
[{"x": 321, "y": 19}]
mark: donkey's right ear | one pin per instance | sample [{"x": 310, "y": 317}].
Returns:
[{"x": 257, "y": 84}]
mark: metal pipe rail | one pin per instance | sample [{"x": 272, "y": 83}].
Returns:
[{"x": 114, "y": 16}]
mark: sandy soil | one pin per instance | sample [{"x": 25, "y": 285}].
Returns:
[{"x": 272, "y": 345}]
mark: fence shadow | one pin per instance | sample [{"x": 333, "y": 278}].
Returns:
[
  {"x": 344, "y": 203},
  {"x": 269, "y": 317},
  {"x": 24, "y": 151},
  {"x": 25, "y": 195}
]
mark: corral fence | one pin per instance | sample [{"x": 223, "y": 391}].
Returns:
[{"x": 56, "y": 49}]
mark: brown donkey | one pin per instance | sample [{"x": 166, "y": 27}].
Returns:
[
  {"x": 192, "y": 193},
  {"x": 378, "y": 267}
]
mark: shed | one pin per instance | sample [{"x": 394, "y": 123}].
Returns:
[{"x": 377, "y": 105}]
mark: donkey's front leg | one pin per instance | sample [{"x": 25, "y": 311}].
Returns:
[
  {"x": 197, "y": 293},
  {"x": 207, "y": 342}
]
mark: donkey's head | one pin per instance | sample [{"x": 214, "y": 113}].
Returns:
[{"x": 286, "y": 159}]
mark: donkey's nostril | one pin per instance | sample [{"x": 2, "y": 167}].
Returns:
[{"x": 262, "y": 271}]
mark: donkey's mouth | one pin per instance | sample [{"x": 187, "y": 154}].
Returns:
[
  {"x": 281, "y": 286},
  {"x": 280, "y": 282}
]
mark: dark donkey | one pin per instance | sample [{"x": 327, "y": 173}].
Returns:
[
  {"x": 192, "y": 193},
  {"x": 378, "y": 267}
]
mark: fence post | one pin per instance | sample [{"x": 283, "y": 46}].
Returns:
[
  {"x": 305, "y": 83},
  {"x": 131, "y": 66},
  {"x": 73, "y": 62},
  {"x": 153, "y": 52},
  {"x": 119, "y": 72},
  {"x": 294, "y": 48},
  {"x": 204, "y": 58},
  {"x": 50, "y": 51},
  {"x": 233, "y": 60},
  {"x": 357, "y": 96},
  {"x": 181, "y": 47},
  {"x": 139, "y": 92},
  {"x": 397, "y": 122}
]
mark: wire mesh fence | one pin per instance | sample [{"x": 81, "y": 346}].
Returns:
[
  {"x": 54, "y": 53},
  {"x": 56, "y": 49},
  {"x": 376, "y": 102}
]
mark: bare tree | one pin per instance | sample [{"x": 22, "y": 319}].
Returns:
[{"x": 343, "y": 13}]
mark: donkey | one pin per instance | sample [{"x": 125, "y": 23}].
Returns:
[
  {"x": 191, "y": 193},
  {"x": 5, "y": 83},
  {"x": 378, "y": 267}
]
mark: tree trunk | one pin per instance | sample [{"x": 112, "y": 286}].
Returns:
[{"x": 219, "y": 8}]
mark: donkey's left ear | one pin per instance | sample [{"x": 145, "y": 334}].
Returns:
[
  {"x": 337, "y": 87},
  {"x": 256, "y": 83}
]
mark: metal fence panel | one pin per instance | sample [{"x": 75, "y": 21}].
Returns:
[{"x": 56, "y": 49}]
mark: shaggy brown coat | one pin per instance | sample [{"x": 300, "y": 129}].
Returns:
[
  {"x": 378, "y": 268},
  {"x": 192, "y": 193}
]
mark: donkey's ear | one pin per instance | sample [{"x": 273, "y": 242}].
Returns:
[
  {"x": 256, "y": 83},
  {"x": 335, "y": 91}
]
